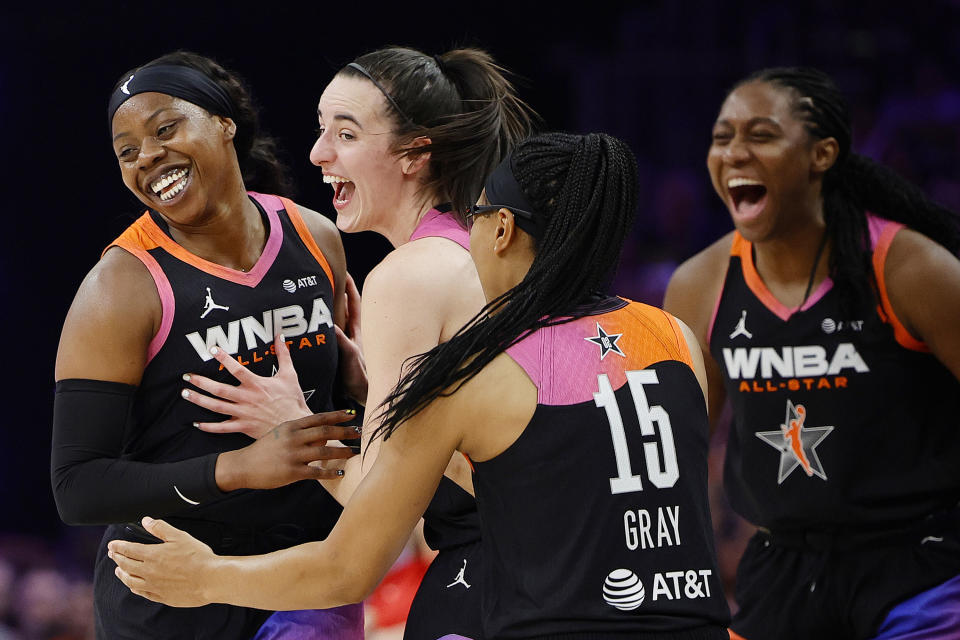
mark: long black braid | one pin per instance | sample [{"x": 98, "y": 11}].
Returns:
[
  {"x": 855, "y": 185},
  {"x": 585, "y": 189}
]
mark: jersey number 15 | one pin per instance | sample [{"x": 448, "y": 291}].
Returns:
[{"x": 663, "y": 476}]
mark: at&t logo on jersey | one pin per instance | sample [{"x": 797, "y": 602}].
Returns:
[
  {"x": 623, "y": 589},
  {"x": 801, "y": 367},
  {"x": 797, "y": 443},
  {"x": 291, "y": 320},
  {"x": 291, "y": 286}
]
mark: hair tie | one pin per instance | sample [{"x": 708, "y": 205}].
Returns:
[
  {"x": 439, "y": 62},
  {"x": 178, "y": 81}
]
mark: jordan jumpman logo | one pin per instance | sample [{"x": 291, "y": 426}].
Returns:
[
  {"x": 210, "y": 305},
  {"x": 741, "y": 328},
  {"x": 459, "y": 579}
]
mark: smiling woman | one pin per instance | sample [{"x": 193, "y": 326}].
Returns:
[
  {"x": 207, "y": 258},
  {"x": 831, "y": 317}
]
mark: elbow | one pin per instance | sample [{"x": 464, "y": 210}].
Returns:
[{"x": 73, "y": 508}]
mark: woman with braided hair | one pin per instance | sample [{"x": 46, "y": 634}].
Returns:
[
  {"x": 584, "y": 417},
  {"x": 831, "y": 317}
]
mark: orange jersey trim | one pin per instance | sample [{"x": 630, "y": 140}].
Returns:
[
  {"x": 885, "y": 309},
  {"x": 294, "y": 213}
]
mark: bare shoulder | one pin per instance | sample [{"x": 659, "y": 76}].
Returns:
[
  {"x": 923, "y": 282},
  {"x": 327, "y": 237},
  {"x": 695, "y": 285},
  {"x": 492, "y": 409},
  {"x": 113, "y": 317},
  {"x": 429, "y": 268}
]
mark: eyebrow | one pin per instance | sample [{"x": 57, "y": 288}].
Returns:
[
  {"x": 751, "y": 122},
  {"x": 341, "y": 116},
  {"x": 147, "y": 121}
]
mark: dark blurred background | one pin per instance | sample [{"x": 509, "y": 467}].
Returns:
[{"x": 652, "y": 73}]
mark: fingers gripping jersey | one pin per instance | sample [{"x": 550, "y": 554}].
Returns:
[
  {"x": 596, "y": 519},
  {"x": 839, "y": 420}
]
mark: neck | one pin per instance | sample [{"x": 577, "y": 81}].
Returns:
[
  {"x": 229, "y": 233},
  {"x": 399, "y": 227}
]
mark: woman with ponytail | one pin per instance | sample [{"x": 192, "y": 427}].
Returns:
[
  {"x": 831, "y": 316},
  {"x": 405, "y": 139},
  {"x": 212, "y": 252},
  {"x": 583, "y": 416}
]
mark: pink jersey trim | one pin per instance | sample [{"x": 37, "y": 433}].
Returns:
[
  {"x": 165, "y": 291},
  {"x": 882, "y": 233},
  {"x": 436, "y": 224},
  {"x": 252, "y": 278},
  {"x": 713, "y": 317}
]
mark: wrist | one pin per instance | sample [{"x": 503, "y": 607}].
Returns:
[{"x": 228, "y": 471}]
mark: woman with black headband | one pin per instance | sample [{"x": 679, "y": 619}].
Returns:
[
  {"x": 405, "y": 140},
  {"x": 211, "y": 266},
  {"x": 584, "y": 417},
  {"x": 831, "y": 314}
]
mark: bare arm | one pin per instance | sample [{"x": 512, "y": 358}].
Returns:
[
  {"x": 923, "y": 284},
  {"x": 344, "y": 568},
  {"x": 691, "y": 296}
]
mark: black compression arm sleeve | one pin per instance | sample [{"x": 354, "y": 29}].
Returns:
[{"x": 92, "y": 483}]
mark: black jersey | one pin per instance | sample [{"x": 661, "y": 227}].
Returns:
[
  {"x": 840, "y": 420},
  {"x": 289, "y": 291},
  {"x": 596, "y": 520}
]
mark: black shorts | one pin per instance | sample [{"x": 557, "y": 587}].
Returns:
[
  {"x": 787, "y": 592},
  {"x": 121, "y": 615},
  {"x": 444, "y": 603}
]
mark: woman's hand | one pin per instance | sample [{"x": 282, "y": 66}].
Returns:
[
  {"x": 172, "y": 572},
  {"x": 285, "y": 454},
  {"x": 353, "y": 368},
  {"x": 258, "y": 403}
]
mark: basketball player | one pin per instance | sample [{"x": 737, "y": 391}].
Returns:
[
  {"x": 584, "y": 416},
  {"x": 406, "y": 141},
  {"x": 831, "y": 317},
  {"x": 205, "y": 268}
]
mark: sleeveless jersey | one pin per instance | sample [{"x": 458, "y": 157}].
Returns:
[
  {"x": 838, "y": 420},
  {"x": 289, "y": 290},
  {"x": 451, "y": 518},
  {"x": 595, "y": 521}
]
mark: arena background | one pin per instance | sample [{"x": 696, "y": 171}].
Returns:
[{"x": 651, "y": 73}]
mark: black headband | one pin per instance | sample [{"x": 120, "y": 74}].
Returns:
[
  {"x": 177, "y": 81},
  {"x": 386, "y": 94},
  {"x": 502, "y": 189}
]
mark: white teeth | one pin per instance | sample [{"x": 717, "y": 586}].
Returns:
[
  {"x": 177, "y": 188},
  {"x": 742, "y": 182},
  {"x": 330, "y": 179},
  {"x": 167, "y": 179}
]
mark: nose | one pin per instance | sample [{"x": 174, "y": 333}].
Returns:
[
  {"x": 736, "y": 151},
  {"x": 150, "y": 152},
  {"x": 322, "y": 150}
]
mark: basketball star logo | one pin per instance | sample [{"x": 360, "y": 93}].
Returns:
[
  {"x": 797, "y": 443},
  {"x": 209, "y": 305},
  {"x": 741, "y": 328},
  {"x": 607, "y": 342}
]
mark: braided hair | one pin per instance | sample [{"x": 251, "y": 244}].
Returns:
[
  {"x": 462, "y": 101},
  {"x": 257, "y": 154},
  {"x": 855, "y": 185},
  {"x": 585, "y": 190}
]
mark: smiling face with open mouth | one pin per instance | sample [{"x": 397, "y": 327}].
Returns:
[
  {"x": 355, "y": 149},
  {"x": 760, "y": 161},
  {"x": 173, "y": 155}
]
